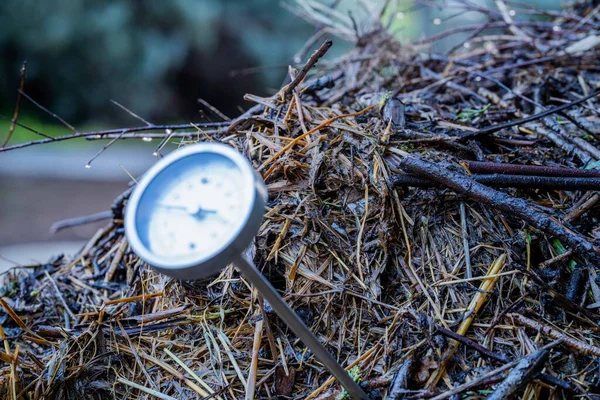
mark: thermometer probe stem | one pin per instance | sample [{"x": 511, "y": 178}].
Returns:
[{"x": 298, "y": 327}]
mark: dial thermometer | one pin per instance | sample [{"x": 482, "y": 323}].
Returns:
[{"x": 195, "y": 212}]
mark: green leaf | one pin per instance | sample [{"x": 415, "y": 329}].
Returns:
[
  {"x": 560, "y": 249},
  {"x": 472, "y": 113},
  {"x": 593, "y": 165},
  {"x": 355, "y": 375}
]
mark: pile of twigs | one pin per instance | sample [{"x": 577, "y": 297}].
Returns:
[{"x": 432, "y": 217}]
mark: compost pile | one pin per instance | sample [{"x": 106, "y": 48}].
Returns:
[{"x": 433, "y": 218}]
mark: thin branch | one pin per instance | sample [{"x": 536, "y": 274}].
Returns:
[
  {"x": 473, "y": 344},
  {"x": 41, "y": 107},
  {"x": 475, "y": 382},
  {"x": 309, "y": 64},
  {"x": 77, "y": 221},
  {"x": 163, "y": 142},
  {"x": 104, "y": 133},
  {"x": 485, "y": 167},
  {"x": 213, "y": 109},
  {"x": 128, "y": 111},
  {"x": 535, "y": 117},
  {"x": 17, "y": 105},
  {"x": 515, "y": 181},
  {"x": 527, "y": 369},
  {"x": 580, "y": 346},
  {"x": 316, "y": 36},
  {"x": 13, "y": 121},
  {"x": 106, "y": 146}
]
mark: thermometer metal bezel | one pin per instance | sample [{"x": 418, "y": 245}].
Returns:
[{"x": 203, "y": 265}]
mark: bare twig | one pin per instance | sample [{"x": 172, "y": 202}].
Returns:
[
  {"x": 72, "y": 222},
  {"x": 526, "y": 370},
  {"x": 17, "y": 105},
  {"x": 213, "y": 109},
  {"x": 401, "y": 379},
  {"x": 106, "y": 146},
  {"x": 307, "y": 67},
  {"x": 495, "y": 128},
  {"x": 484, "y": 167},
  {"x": 128, "y": 111},
  {"x": 578, "y": 345},
  {"x": 515, "y": 181},
  {"x": 475, "y": 382},
  {"x": 41, "y": 107},
  {"x": 121, "y": 131},
  {"x": 473, "y": 344}
]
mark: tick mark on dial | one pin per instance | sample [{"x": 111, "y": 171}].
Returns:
[
  {"x": 204, "y": 181},
  {"x": 192, "y": 246}
]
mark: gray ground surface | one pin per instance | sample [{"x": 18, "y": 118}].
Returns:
[
  {"x": 44, "y": 184},
  {"x": 29, "y": 206}
]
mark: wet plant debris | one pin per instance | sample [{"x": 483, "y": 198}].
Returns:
[{"x": 433, "y": 218}]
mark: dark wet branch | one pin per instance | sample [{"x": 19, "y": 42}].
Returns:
[
  {"x": 502, "y": 201},
  {"x": 506, "y": 181}
]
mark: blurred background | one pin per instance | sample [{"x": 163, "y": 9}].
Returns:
[{"x": 156, "y": 58}]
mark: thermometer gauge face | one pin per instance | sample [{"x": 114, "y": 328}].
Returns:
[{"x": 194, "y": 210}]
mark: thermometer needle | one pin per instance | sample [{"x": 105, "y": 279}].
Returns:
[
  {"x": 173, "y": 207},
  {"x": 199, "y": 214},
  {"x": 199, "y": 211}
]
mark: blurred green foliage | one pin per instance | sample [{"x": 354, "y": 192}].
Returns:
[
  {"x": 154, "y": 57},
  {"x": 157, "y": 57}
]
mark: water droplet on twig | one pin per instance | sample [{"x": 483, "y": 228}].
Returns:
[{"x": 147, "y": 139}]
